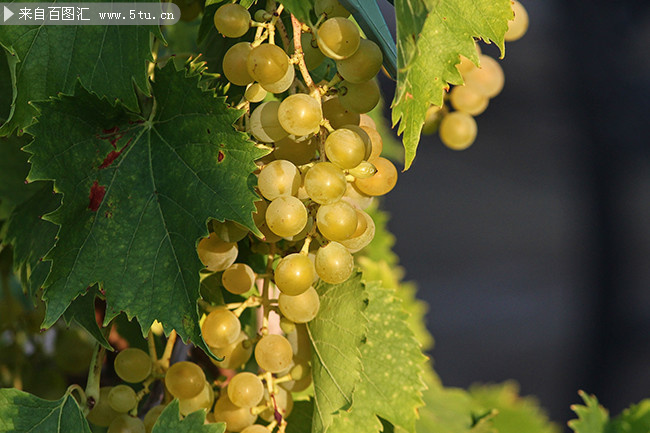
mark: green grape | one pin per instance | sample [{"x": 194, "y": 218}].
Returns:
[
  {"x": 184, "y": 380},
  {"x": 338, "y": 115},
  {"x": 382, "y": 181},
  {"x": 465, "y": 99},
  {"x": 255, "y": 93},
  {"x": 102, "y": 413},
  {"x": 300, "y": 343},
  {"x": 279, "y": 178},
  {"x": 365, "y": 120},
  {"x": 357, "y": 198},
  {"x": 334, "y": 263},
  {"x": 126, "y": 424},
  {"x": 259, "y": 216},
  {"x": 363, "y": 171},
  {"x": 216, "y": 254},
  {"x": 152, "y": 416},
  {"x": 283, "y": 84},
  {"x": 238, "y": 278},
  {"x": 363, "y": 235},
  {"x": 267, "y": 63},
  {"x": 345, "y": 148},
  {"x": 256, "y": 428},
  {"x": 287, "y": 325},
  {"x": 236, "y": 354},
  {"x": 363, "y": 135},
  {"x": 203, "y": 400},
  {"x": 286, "y": 216},
  {"x": 234, "y": 64},
  {"x": 229, "y": 231},
  {"x": 297, "y": 152},
  {"x": 304, "y": 232},
  {"x": 245, "y": 390},
  {"x": 517, "y": 27},
  {"x": 236, "y": 418},
  {"x": 264, "y": 123},
  {"x": 122, "y": 398},
  {"x": 331, "y": 8},
  {"x": 363, "y": 65},
  {"x": 294, "y": 274},
  {"x": 273, "y": 353},
  {"x": 360, "y": 98},
  {"x": 376, "y": 142},
  {"x": 301, "y": 378},
  {"x": 221, "y": 327},
  {"x": 232, "y": 20},
  {"x": 336, "y": 221},
  {"x": 325, "y": 183},
  {"x": 282, "y": 400},
  {"x": 132, "y": 365},
  {"x": 338, "y": 38},
  {"x": 301, "y": 308},
  {"x": 300, "y": 114},
  {"x": 458, "y": 130},
  {"x": 487, "y": 80},
  {"x": 432, "y": 119},
  {"x": 312, "y": 54}
]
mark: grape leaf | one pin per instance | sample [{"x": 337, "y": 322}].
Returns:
[
  {"x": 429, "y": 50},
  {"x": 592, "y": 418},
  {"x": 170, "y": 421},
  {"x": 6, "y": 87},
  {"x": 390, "y": 352},
  {"x": 137, "y": 196},
  {"x": 336, "y": 335},
  {"x": 301, "y": 416},
  {"x": 13, "y": 171},
  {"x": 300, "y": 9},
  {"x": 21, "y": 412},
  {"x": 635, "y": 419},
  {"x": 107, "y": 60},
  {"x": 82, "y": 311}
]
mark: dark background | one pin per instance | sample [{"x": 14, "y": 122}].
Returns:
[{"x": 532, "y": 247}]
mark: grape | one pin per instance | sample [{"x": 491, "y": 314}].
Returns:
[
  {"x": 267, "y": 63},
  {"x": 232, "y": 20},
  {"x": 126, "y": 424},
  {"x": 325, "y": 183},
  {"x": 360, "y": 98},
  {"x": 203, "y": 400},
  {"x": 331, "y": 8},
  {"x": 238, "y": 278},
  {"x": 465, "y": 99},
  {"x": 363, "y": 235},
  {"x": 286, "y": 216},
  {"x": 376, "y": 142},
  {"x": 334, "y": 263},
  {"x": 363, "y": 65},
  {"x": 102, "y": 413},
  {"x": 236, "y": 418},
  {"x": 273, "y": 353},
  {"x": 357, "y": 198},
  {"x": 216, "y": 254},
  {"x": 338, "y": 38},
  {"x": 245, "y": 390},
  {"x": 184, "y": 380},
  {"x": 152, "y": 416},
  {"x": 132, "y": 365},
  {"x": 259, "y": 216},
  {"x": 267, "y": 235},
  {"x": 301, "y": 308},
  {"x": 294, "y": 274},
  {"x": 283, "y": 401},
  {"x": 234, "y": 64},
  {"x": 255, "y": 93},
  {"x": 297, "y": 152},
  {"x": 300, "y": 114},
  {"x": 363, "y": 135},
  {"x": 301, "y": 375},
  {"x": 458, "y": 130},
  {"x": 229, "y": 231},
  {"x": 338, "y": 115},
  {"x": 432, "y": 119},
  {"x": 336, "y": 221},
  {"x": 264, "y": 123},
  {"x": 382, "y": 181},
  {"x": 235, "y": 354},
  {"x": 283, "y": 84},
  {"x": 221, "y": 327},
  {"x": 363, "y": 171},
  {"x": 365, "y": 120},
  {"x": 312, "y": 54},
  {"x": 300, "y": 343},
  {"x": 256, "y": 428},
  {"x": 487, "y": 80},
  {"x": 122, "y": 398},
  {"x": 345, "y": 148},
  {"x": 277, "y": 179},
  {"x": 517, "y": 27}
]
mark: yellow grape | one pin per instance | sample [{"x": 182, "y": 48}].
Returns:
[
  {"x": 273, "y": 353},
  {"x": 202, "y": 400},
  {"x": 336, "y": 221},
  {"x": 126, "y": 424},
  {"x": 466, "y": 99},
  {"x": 279, "y": 178},
  {"x": 132, "y": 365},
  {"x": 236, "y": 418},
  {"x": 301, "y": 308},
  {"x": 300, "y": 114},
  {"x": 331, "y": 8},
  {"x": 363, "y": 235},
  {"x": 245, "y": 390},
  {"x": 216, "y": 254},
  {"x": 517, "y": 27},
  {"x": 236, "y": 354},
  {"x": 264, "y": 123},
  {"x": 359, "y": 98},
  {"x": 122, "y": 398},
  {"x": 338, "y": 115},
  {"x": 102, "y": 413},
  {"x": 338, "y": 38},
  {"x": 232, "y": 20},
  {"x": 267, "y": 63},
  {"x": 286, "y": 216},
  {"x": 220, "y": 328},
  {"x": 184, "y": 380},
  {"x": 234, "y": 64},
  {"x": 334, "y": 263},
  {"x": 344, "y": 148},
  {"x": 294, "y": 274},
  {"x": 458, "y": 130},
  {"x": 363, "y": 65},
  {"x": 152, "y": 416},
  {"x": 238, "y": 278},
  {"x": 297, "y": 152},
  {"x": 383, "y": 181},
  {"x": 325, "y": 183},
  {"x": 255, "y": 93},
  {"x": 488, "y": 79}
]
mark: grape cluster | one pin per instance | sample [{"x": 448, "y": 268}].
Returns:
[{"x": 457, "y": 129}]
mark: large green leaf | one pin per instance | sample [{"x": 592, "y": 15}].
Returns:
[
  {"x": 300, "y": 8},
  {"x": 107, "y": 60},
  {"x": 21, "y": 412},
  {"x": 592, "y": 417},
  {"x": 431, "y": 34},
  {"x": 137, "y": 196},
  {"x": 6, "y": 87},
  {"x": 14, "y": 169},
  {"x": 390, "y": 348},
  {"x": 337, "y": 334},
  {"x": 170, "y": 421},
  {"x": 635, "y": 419},
  {"x": 82, "y": 311}
]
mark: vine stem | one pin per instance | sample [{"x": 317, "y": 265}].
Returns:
[
  {"x": 151, "y": 344},
  {"x": 297, "y": 45},
  {"x": 163, "y": 362},
  {"x": 94, "y": 377}
]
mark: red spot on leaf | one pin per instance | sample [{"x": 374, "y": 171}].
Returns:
[
  {"x": 220, "y": 156},
  {"x": 112, "y": 156},
  {"x": 97, "y": 193},
  {"x": 408, "y": 95}
]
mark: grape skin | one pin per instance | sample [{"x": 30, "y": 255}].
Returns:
[
  {"x": 184, "y": 380},
  {"x": 336, "y": 221},
  {"x": 273, "y": 353},
  {"x": 264, "y": 123},
  {"x": 132, "y": 365},
  {"x": 325, "y": 183},
  {"x": 122, "y": 398},
  {"x": 300, "y": 114},
  {"x": 517, "y": 27},
  {"x": 338, "y": 115},
  {"x": 345, "y": 148},
  {"x": 338, "y": 38},
  {"x": 238, "y": 278},
  {"x": 126, "y": 424},
  {"x": 235, "y": 354},
  {"x": 286, "y": 216},
  {"x": 232, "y": 20},
  {"x": 245, "y": 390},
  {"x": 216, "y": 254},
  {"x": 294, "y": 274},
  {"x": 220, "y": 328},
  {"x": 458, "y": 130},
  {"x": 360, "y": 98},
  {"x": 236, "y": 418},
  {"x": 465, "y": 99},
  {"x": 363, "y": 65},
  {"x": 277, "y": 179},
  {"x": 267, "y": 63},
  {"x": 301, "y": 308},
  {"x": 202, "y": 400},
  {"x": 234, "y": 64},
  {"x": 382, "y": 182},
  {"x": 334, "y": 263},
  {"x": 102, "y": 414},
  {"x": 487, "y": 80}
]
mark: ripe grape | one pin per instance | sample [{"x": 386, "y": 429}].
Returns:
[
  {"x": 458, "y": 130},
  {"x": 382, "y": 181},
  {"x": 203, "y": 400},
  {"x": 221, "y": 327},
  {"x": 277, "y": 179},
  {"x": 357, "y": 198},
  {"x": 338, "y": 115},
  {"x": 297, "y": 152},
  {"x": 235, "y": 354},
  {"x": 467, "y": 100},
  {"x": 338, "y": 38},
  {"x": 517, "y": 27},
  {"x": 286, "y": 216},
  {"x": 334, "y": 263},
  {"x": 300, "y": 114},
  {"x": 236, "y": 418},
  {"x": 345, "y": 148},
  {"x": 331, "y": 8},
  {"x": 325, "y": 183},
  {"x": 132, "y": 365},
  {"x": 363, "y": 135},
  {"x": 232, "y": 20},
  {"x": 336, "y": 221},
  {"x": 363, "y": 235},
  {"x": 294, "y": 274},
  {"x": 363, "y": 171},
  {"x": 245, "y": 390},
  {"x": 122, "y": 398},
  {"x": 363, "y": 65},
  {"x": 267, "y": 235},
  {"x": 216, "y": 254},
  {"x": 264, "y": 123},
  {"x": 360, "y": 98},
  {"x": 102, "y": 413},
  {"x": 273, "y": 353},
  {"x": 283, "y": 84},
  {"x": 238, "y": 278},
  {"x": 301, "y": 308},
  {"x": 267, "y": 63},
  {"x": 152, "y": 416},
  {"x": 255, "y": 93},
  {"x": 487, "y": 80},
  {"x": 126, "y": 424},
  {"x": 184, "y": 380},
  {"x": 234, "y": 64}
]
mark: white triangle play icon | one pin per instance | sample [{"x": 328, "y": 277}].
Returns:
[{"x": 8, "y": 13}]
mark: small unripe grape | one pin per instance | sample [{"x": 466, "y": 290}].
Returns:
[
  {"x": 184, "y": 380},
  {"x": 267, "y": 63},
  {"x": 102, "y": 414},
  {"x": 235, "y": 354},
  {"x": 458, "y": 130},
  {"x": 338, "y": 115},
  {"x": 245, "y": 390},
  {"x": 234, "y": 64},
  {"x": 126, "y": 424},
  {"x": 255, "y": 93},
  {"x": 301, "y": 308},
  {"x": 345, "y": 148},
  {"x": 273, "y": 353},
  {"x": 238, "y": 278},
  {"x": 363, "y": 65},
  {"x": 517, "y": 27},
  {"x": 202, "y": 400},
  {"x": 236, "y": 418},
  {"x": 221, "y": 327},
  {"x": 300, "y": 114},
  {"x": 360, "y": 98},
  {"x": 337, "y": 221},
  {"x": 279, "y": 179},
  {"x": 152, "y": 416},
  {"x": 132, "y": 365},
  {"x": 216, "y": 254},
  {"x": 363, "y": 235},
  {"x": 334, "y": 263},
  {"x": 325, "y": 183},
  {"x": 297, "y": 152},
  {"x": 338, "y": 38},
  {"x": 488, "y": 79},
  {"x": 264, "y": 123},
  {"x": 286, "y": 216},
  {"x": 122, "y": 398},
  {"x": 232, "y": 20},
  {"x": 294, "y": 274},
  {"x": 331, "y": 8},
  {"x": 466, "y": 99},
  {"x": 382, "y": 181}
]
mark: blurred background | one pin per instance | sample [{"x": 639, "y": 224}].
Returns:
[{"x": 532, "y": 247}]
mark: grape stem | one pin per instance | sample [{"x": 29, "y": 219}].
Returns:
[
  {"x": 91, "y": 395},
  {"x": 151, "y": 344},
  {"x": 163, "y": 362},
  {"x": 297, "y": 44}
]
